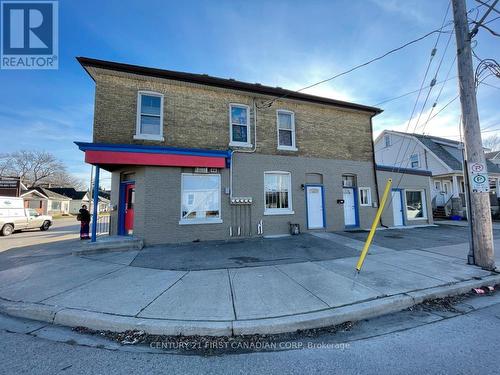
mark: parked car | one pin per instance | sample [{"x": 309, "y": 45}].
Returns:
[{"x": 13, "y": 216}]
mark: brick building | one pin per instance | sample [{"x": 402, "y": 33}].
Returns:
[{"x": 194, "y": 157}]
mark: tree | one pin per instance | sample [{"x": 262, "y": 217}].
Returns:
[
  {"x": 36, "y": 168},
  {"x": 492, "y": 142}
]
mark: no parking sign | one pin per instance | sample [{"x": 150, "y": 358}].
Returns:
[{"x": 479, "y": 178}]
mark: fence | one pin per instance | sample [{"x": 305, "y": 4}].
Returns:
[{"x": 102, "y": 224}]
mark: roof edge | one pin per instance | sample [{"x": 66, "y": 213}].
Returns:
[{"x": 220, "y": 82}]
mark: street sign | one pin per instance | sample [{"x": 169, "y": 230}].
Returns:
[
  {"x": 477, "y": 168},
  {"x": 480, "y": 183},
  {"x": 479, "y": 178}
]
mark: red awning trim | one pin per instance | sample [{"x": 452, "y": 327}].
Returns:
[{"x": 153, "y": 159}]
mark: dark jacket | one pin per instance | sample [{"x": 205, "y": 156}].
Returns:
[{"x": 84, "y": 215}]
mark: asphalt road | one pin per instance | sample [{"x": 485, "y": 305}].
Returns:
[
  {"x": 34, "y": 245},
  {"x": 463, "y": 344}
]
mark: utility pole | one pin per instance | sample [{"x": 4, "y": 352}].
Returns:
[{"x": 480, "y": 213}]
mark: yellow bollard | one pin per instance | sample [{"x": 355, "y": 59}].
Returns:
[{"x": 374, "y": 225}]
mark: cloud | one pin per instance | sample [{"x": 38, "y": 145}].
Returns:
[{"x": 404, "y": 9}]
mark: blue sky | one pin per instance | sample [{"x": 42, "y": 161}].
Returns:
[{"x": 290, "y": 44}]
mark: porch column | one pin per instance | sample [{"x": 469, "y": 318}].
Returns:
[
  {"x": 497, "y": 186},
  {"x": 455, "y": 186},
  {"x": 96, "y": 203}
]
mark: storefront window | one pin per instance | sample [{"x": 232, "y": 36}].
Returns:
[
  {"x": 200, "y": 199},
  {"x": 415, "y": 204}
]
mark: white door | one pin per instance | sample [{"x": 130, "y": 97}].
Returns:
[
  {"x": 397, "y": 208},
  {"x": 446, "y": 191},
  {"x": 439, "y": 193},
  {"x": 314, "y": 196},
  {"x": 349, "y": 208}
]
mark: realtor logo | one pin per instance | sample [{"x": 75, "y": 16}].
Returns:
[{"x": 29, "y": 34}]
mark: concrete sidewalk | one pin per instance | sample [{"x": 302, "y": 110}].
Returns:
[{"x": 104, "y": 292}]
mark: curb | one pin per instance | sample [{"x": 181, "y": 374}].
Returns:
[
  {"x": 110, "y": 247},
  {"x": 284, "y": 324}
]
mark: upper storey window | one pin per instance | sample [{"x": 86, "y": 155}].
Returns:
[
  {"x": 149, "y": 116},
  {"x": 387, "y": 140},
  {"x": 286, "y": 130},
  {"x": 239, "y": 119}
]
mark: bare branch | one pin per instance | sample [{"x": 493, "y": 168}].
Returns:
[{"x": 36, "y": 168}]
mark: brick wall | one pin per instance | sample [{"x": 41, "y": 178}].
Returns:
[{"x": 198, "y": 116}]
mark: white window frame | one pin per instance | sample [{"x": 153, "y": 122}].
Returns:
[
  {"x": 387, "y": 140},
  {"x": 418, "y": 161},
  {"x": 424, "y": 204},
  {"x": 201, "y": 221},
  {"x": 368, "y": 194},
  {"x": 234, "y": 143},
  {"x": 293, "y": 147},
  {"x": 149, "y": 137},
  {"x": 279, "y": 211}
]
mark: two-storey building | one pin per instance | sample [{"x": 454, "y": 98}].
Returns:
[{"x": 195, "y": 157}]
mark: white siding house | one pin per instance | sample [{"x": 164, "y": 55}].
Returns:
[{"x": 442, "y": 157}]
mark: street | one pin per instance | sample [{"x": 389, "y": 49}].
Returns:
[
  {"x": 401, "y": 343},
  {"x": 34, "y": 245},
  {"x": 446, "y": 341}
]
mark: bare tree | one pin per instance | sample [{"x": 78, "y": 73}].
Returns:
[
  {"x": 36, "y": 168},
  {"x": 492, "y": 142}
]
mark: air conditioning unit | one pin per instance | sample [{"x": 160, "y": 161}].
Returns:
[{"x": 201, "y": 170}]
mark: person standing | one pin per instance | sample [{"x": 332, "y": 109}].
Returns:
[{"x": 84, "y": 218}]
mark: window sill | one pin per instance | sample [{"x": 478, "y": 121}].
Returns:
[
  {"x": 200, "y": 221},
  {"x": 239, "y": 144},
  {"x": 284, "y": 212},
  {"x": 365, "y": 205},
  {"x": 286, "y": 148},
  {"x": 417, "y": 219},
  {"x": 146, "y": 137}
]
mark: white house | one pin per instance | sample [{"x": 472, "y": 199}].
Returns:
[
  {"x": 443, "y": 158},
  {"x": 78, "y": 198},
  {"x": 46, "y": 201}
]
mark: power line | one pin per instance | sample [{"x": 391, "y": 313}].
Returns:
[
  {"x": 438, "y": 31},
  {"x": 487, "y": 84},
  {"x": 427, "y": 96},
  {"x": 411, "y": 92},
  {"x": 478, "y": 24}
]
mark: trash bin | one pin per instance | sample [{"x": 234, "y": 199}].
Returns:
[{"x": 294, "y": 229}]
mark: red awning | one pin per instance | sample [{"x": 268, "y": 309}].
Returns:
[{"x": 154, "y": 159}]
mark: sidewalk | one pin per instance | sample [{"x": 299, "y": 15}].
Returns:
[{"x": 104, "y": 292}]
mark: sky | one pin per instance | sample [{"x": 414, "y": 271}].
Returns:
[{"x": 290, "y": 44}]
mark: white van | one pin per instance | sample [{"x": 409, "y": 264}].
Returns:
[{"x": 13, "y": 216}]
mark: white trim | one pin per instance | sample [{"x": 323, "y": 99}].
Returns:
[
  {"x": 418, "y": 160},
  {"x": 150, "y": 137},
  {"x": 234, "y": 143},
  {"x": 293, "y": 147},
  {"x": 36, "y": 192},
  {"x": 279, "y": 211},
  {"x": 272, "y": 212},
  {"x": 198, "y": 221},
  {"x": 424, "y": 204},
  {"x": 369, "y": 194},
  {"x": 214, "y": 220}
]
